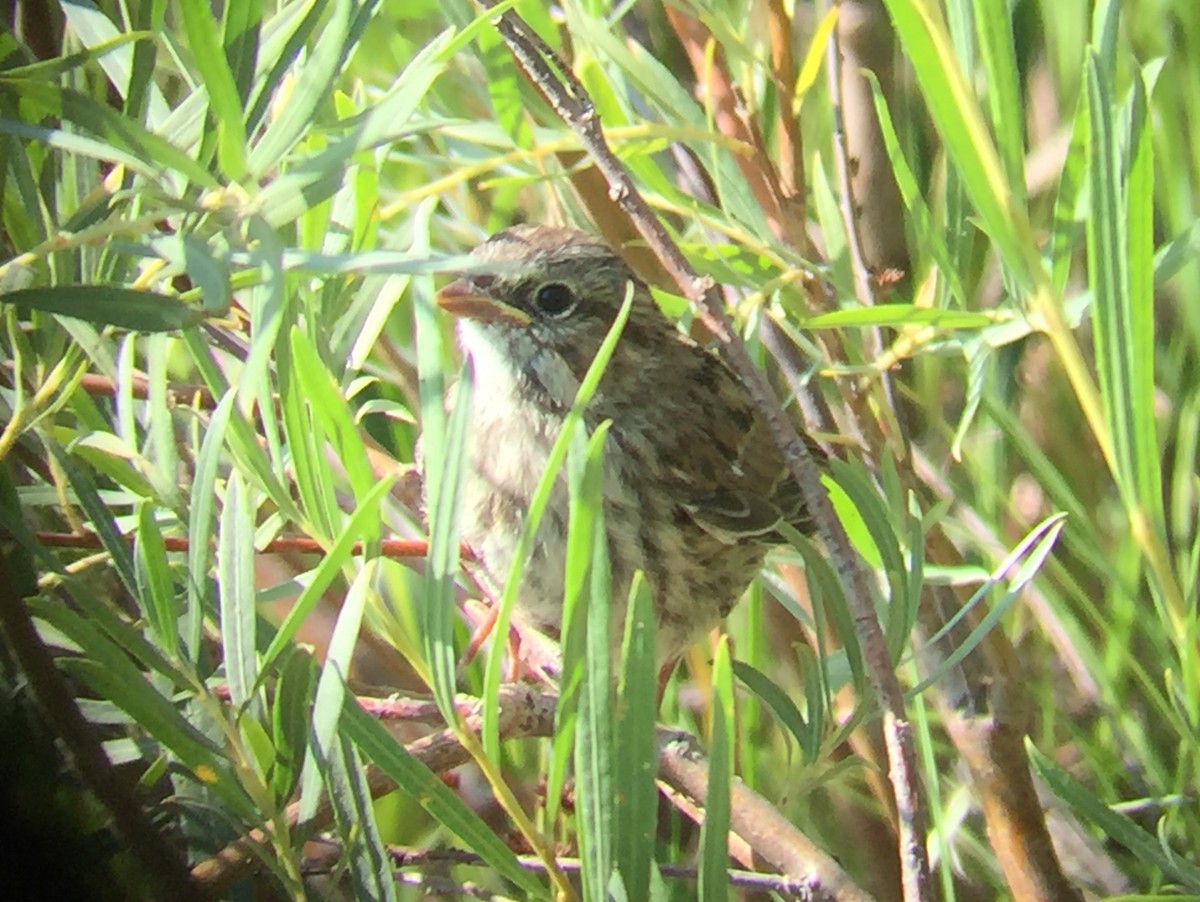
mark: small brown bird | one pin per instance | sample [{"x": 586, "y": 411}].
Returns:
[{"x": 694, "y": 485}]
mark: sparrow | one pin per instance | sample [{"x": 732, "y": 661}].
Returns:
[{"x": 694, "y": 486}]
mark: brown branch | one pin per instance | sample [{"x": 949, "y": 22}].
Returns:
[
  {"x": 406, "y": 856},
  {"x": 803, "y": 869},
  {"x": 714, "y": 86},
  {"x": 390, "y": 548},
  {"x": 164, "y": 867},
  {"x": 571, "y": 102},
  {"x": 523, "y": 712},
  {"x": 683, "y": 767},
  {"x": 783, "y": 73},
  {"x": 863, "y": 42}
]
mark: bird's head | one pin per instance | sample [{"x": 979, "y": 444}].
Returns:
[{"x": 537, "y": 301}]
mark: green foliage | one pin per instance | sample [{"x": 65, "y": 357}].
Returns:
[{"x": 221, "y": 236}]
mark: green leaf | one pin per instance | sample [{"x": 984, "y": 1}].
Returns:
[
  {"x": 235, "y": 584},
  {"x": 290, "y": 718},
  {"x": 224, "y": 102},
  {"x": 354, "y": 813},
  {"x": 332, "y": 562},
  {"x": 1031, "y": 554},
  {"x": 778, "y": 701},
  {"x": 156, "y": 594},
  {"x": 426, "y": 789},
  {"x": 635, "y": 753},
  {"x": 1120, "y": 270},
  {"x": 200, "y": 524},
  {"x": 1121, "y": 829},
  {"x": 445, "y": 501},
  {"x": 960, "y": 124},
  {"x": 331, "y": 689},
  {"x": 110, "y": 305},
  {"x": 593, "y": 748},
  {"x": 714, "y": 835}
]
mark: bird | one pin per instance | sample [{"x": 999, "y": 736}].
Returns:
[{"x": 694, "y": 487}]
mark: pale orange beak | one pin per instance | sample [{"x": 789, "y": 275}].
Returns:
[{"x": 458, "y": 299}]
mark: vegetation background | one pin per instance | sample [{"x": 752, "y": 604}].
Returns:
[{"x": 973, "y": 271}]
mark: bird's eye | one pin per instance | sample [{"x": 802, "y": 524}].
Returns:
[{"x": 554, "y": 299}]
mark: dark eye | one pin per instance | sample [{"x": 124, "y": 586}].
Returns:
[{"x": 554, "y": 299}]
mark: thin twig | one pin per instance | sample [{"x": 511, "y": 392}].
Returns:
[
  {"x": 390, "y": 548},
  {"x": 683, "y": 767},
  {"x": 405, "y": 857},
  {"x": 523, "y": 712},
  {"x": 570, "y": 100}
]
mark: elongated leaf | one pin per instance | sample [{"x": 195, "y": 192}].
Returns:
[
  {"x": 110, "y": 305},
  {"x": 200, "y": 522},
  {"x": 635, "y": 760},
  {"x": 224, "y": 102},
  {"x": 1118, "y": 827},
  {"x": 235, "y": 581},
  {"x": 331, "y": 690},
  {"x": 424, "y": 787},
  {"x": 157, "y": 591},
  {"x": 593, "y": 766},
  {"x": 714, "y": 835},
  {"x": 354, "y": 812},
  {"x": 955, "y": 111},
  {"x": 323, "y": 576}
]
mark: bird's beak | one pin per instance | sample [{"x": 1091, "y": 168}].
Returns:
[{"x": 458, "y": 299}]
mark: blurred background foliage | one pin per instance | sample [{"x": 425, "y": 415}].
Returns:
[{"x": 223, "y": 225}]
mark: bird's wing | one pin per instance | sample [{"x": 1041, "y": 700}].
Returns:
[{"x": 727, "y": 473}]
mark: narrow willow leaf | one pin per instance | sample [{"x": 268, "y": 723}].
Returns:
[
  {"x": 777, "y": 700},
  {"x": 290, "y": 718},
  {"x": 156, "y": 594},
  {"x": 108, "y": 671},
  {"x": 1120, "y": 232},
  {"x": 244, "y": 447},
  {"x": 426, "y": 788},
  {"x": 354, "y": 813},
  {"x": 328, "y": 403},
  {"x": 101, "y": 517},
  {"x": 929, "y": 235},
  {"x": 870, "y": 507},
  {"x": 994, "y": 26},
  {"x": 311, "y": 89},
  {"x": 635, "y": 760},
  {"x": 235, "y": 584},
  {"x": 900, "y": 315},
  {"x": 443, "y": 556},
  {"x": 593, "y": 749},
  {"x": 1030, "y": 554},
  {"x": 960, "y": 123},
  {"x": 110, "y": 305},
  {"x": 200, "y": 525},
  {"x": 581, "y": 524},
  {"x": 224, "y": 103},
  {"x": 127, "y": 68},
  {"x": 1120, "y": 828},
  {"x": 240, "y": 35},
  {"x": 331, "y": 690},
  {"x": 714, "y": 835}
]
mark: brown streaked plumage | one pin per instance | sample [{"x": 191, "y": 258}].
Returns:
[{"x": 694, "y": 485}]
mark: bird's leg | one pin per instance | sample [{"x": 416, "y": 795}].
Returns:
[
  {"x": 664, "y": 677},
  {"x": 480, "y": 635}
]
